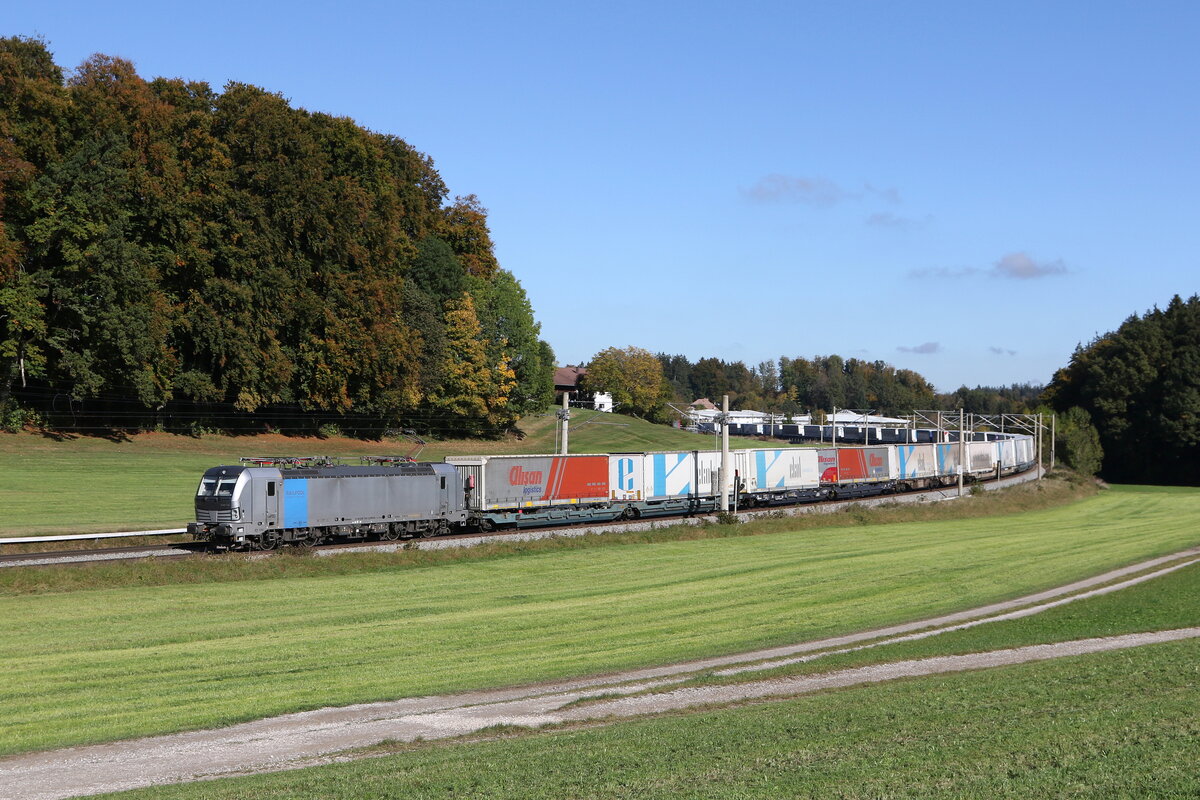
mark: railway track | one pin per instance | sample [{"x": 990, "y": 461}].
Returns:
[
  {"x": 81, "y": 556},
  {"x": 178, "y": 549}
]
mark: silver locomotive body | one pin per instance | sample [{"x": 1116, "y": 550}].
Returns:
[{"x": 240, "y": 507}]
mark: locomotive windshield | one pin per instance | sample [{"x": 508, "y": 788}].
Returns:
[{"x": 216, "y": 487}]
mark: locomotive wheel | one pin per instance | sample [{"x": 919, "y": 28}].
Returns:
[
  {"x": 311, "y": 538},
  {"x": 269, "y": 541},
  {"x": 391, "y": 534}
]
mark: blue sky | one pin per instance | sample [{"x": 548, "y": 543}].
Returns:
[{"x": 967, "y": 190}]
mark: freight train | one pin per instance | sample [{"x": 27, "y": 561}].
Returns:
[{"x": 267, "y": 502}]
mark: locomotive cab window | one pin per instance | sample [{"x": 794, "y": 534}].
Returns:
[{"x": 208, "y": 487}]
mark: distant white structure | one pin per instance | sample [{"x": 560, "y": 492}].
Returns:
[
  {"x": 697, "y": 416},
  {"x": 602, "y": 401},
  {"x": 850, "y": 418}
]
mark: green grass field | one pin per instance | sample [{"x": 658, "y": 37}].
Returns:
[
  {"x": 1113, "y": 725},
  {"x": 1107, "y": 725},
  {"x": 1164, "y": 603},
  {"x": 86, "y": 484},
  {"x": 101, "y": 664}
]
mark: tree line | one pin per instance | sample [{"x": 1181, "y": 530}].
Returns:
[
  {"x": 1127, "y": 404},
  {"x": 644, "y": 384},
  {"x": 1140, "y": 387},
  {"x": 164, "y": 242},
  {"x": 654, "y": 386},
  {"x": 794, "y": 385}
]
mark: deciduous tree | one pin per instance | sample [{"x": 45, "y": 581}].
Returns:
[{"x": 632, "y": 375}]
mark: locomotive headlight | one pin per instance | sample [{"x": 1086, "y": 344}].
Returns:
[{"x": 241, "y": 530}]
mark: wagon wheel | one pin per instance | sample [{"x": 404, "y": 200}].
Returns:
[{"x": 486, "y": 525}]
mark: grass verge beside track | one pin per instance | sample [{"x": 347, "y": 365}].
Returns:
[
  {"x": 97, "y": 665},
  {"x": 1106, "y": 725}
]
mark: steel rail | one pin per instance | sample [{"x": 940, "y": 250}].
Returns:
[{"x": 79, "y": 537}]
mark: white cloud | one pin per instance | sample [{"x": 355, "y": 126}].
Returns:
[
  {"x": 1014, "y": 266},
  {"x": 890, "y": 195},
  {"x": 818, "y": 192},
  {"x": 928, "y": 347},
  {"x": 944, "y": 272},
  {"x": 1022, "y": 267},
  {"x": 886, "y": 219}
]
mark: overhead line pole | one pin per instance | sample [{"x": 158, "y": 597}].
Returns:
[
  {"x": 962, "y": 451},
  {"x": 725, "y": 452},
  {"x": 1039, "y": 445},
  {"x": 1053, "y": 436},
  {"x": 564, "y": 417}
]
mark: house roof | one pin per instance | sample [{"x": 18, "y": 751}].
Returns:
[{"x": 568, "y": 377}]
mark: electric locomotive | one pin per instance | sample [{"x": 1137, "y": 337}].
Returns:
[{"x": 266, "y": 502}]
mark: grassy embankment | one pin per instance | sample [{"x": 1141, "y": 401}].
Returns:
[
  {"x": 1117, "y": 724},
  {"x": 102, "y": 664},
  {"x": 146, "y": 481}
]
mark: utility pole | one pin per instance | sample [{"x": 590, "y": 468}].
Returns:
[
  {"x": 564, "y": 419},
  {"x": 725, "y": 452},
  {"x": 1053, "y": 434},
  {"x": 1039, "y": 445},
  {"x": 962, "y": 451}
]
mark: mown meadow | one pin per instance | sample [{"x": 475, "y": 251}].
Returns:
[
  {"x": 1118, "y": 724},
  {"x": 95, "y": 664}
]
